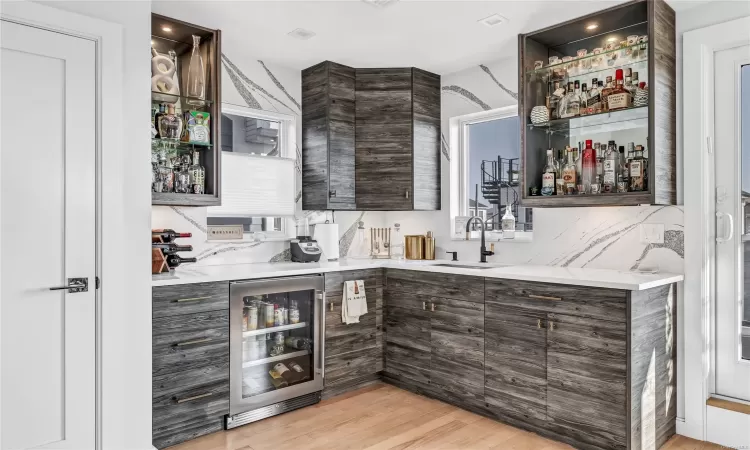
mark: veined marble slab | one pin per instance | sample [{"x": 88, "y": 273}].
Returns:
[{"x": 578, "y": 276}]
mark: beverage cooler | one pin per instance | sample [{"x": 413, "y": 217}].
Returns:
[{"x": 277, "y": 332}]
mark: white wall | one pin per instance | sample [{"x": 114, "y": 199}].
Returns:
[{"x": 126, "y": 280}]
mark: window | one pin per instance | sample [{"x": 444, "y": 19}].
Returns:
[
  {"x": 257, "y": 171},
  {"x": 488, "y": 169}
]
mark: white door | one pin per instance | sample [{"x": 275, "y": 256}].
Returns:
[
  {"x": 732, "y": 175},
  {"x": 47, "y": 237}
]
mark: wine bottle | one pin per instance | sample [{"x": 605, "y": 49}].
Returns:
[
  {"x": 298, "y": 343},
  {"x": 171, "y": 247},
  {"x": 168, "y": 235},
  {"x": 175, "y": 260}
]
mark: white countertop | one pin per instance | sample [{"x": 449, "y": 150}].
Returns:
[{"x": 612, "y": 279}]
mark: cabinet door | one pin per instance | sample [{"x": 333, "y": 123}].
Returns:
[
  {"x": 457, "y": 349},
  {"x": 516, "y": 361},
  {"x": 587, "y": 379},
  {"x": 341, "y": 137},
  {"x": 407, "y": 337},
  {"x": 383, "y": 139}
]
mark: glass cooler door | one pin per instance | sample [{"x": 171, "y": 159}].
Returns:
[{"x": 276, "y": 341}]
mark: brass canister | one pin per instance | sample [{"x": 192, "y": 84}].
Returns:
[
  {"x": 414, "y": 246},
  {"x": 429, "y": 246}
]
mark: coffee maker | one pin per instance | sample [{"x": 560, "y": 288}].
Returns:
[{"x": 304, "y": 248}]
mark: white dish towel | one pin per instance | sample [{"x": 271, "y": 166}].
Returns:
[{"x": 354, "y": 302}]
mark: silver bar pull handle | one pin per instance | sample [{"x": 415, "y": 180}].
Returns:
[
  {"x": 197, "y": 341},
  {"x": 74, "y": 285},
  {"x": 195, "y": 397},
  {"x": 196, "y": 299},
  {"x": 322, "y": 332},
  {"x": 544, "y": 297}
]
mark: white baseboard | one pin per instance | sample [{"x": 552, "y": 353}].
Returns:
[
  {"x": 684, "y": 430},
  {"x": 728, "y": 428}
]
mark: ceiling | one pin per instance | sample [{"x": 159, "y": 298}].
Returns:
[{"x": 439, "y": 36}]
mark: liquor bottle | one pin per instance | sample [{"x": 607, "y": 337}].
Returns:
[
  {"x": 182, "y": 183},
  {"x": 569, "y": 174},
  {"x": 583, "y": 96},
  {"x": 559, "y": 163},
  {"x": 299, "y": 372},
  {"x": 605, "y": 94},
  {"x": 175, "y": 260},
  {"x": 508, "y": 223},
  {"x": 577, "y": 155},
  {"x": 594, "y": 103},
  {"x": 549, "y": 175},
  {"x": 622, "y": 172},
  {"x": 157, "y": 116},
  {"x": 571, "y": 103},
  {"x": 555, "y": 97},
  {"x": 619, "y": 97},
  {"x": 197, "y": 175},
  {"x": 638, "y": 171},
  {"x": 171, "y": 247},
  {"x": 599, "y": 160},
  {"x": 611, "y": 166},
  {"x": 298, "y": 342},
  {"x": 168, "y": 235},
  {"x": 588, "y": 166}
]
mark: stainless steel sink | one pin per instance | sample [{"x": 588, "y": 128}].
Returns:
[{"x": 465, "y": 266}]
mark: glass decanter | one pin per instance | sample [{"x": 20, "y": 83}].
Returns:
[
  {"x": 170, "y": 125},
  {"x": 196, "y": 78},
  {"x": 397, "y": 242}
]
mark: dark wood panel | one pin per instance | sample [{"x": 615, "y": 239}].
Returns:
[
  {"x": 189, "y": 341},
  {"x": 383, "y": 79},
  {"x": 427, "y": 139},
  {"x": 606, "y": 304},
  {"x": 653, "y": 360},
  {"x": 334, "y": 281},
  {"x": 184, "y": 431},
  {"x": 444, "y": 285},
  {"x": 407, "y": 341},
  {"x": 383, "y": 176},
  {"x": 516, "y": 361},
  {"x": 345, "y": 367},
  {"x": 189, "y": 298},
  {"x": 587, "y": 373},
  {"x": 343, "y": 338},
  {"x": 352, "y": 384},
  {"x": 408, "y": 300}
]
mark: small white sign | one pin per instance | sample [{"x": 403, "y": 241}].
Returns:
[
  {"x": 225, "y": 232},
  {"x": 459, "y": 230}
]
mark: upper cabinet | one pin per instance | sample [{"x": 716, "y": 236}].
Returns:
[
  {"x": 371, "y": 138},
  {"x": 328, "y": 137},
  {"x": 608, "y": 78},
  {"x": 185, "y": 113}
]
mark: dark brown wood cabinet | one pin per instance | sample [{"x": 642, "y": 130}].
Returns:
[
  {"x": 370, "y": 138},
  {"x": 354, "y": 352},
  {"x": 328, "y": 137}
]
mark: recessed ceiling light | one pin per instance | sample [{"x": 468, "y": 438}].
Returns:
[
  {"x": 301, "y": 33},
  {"x": 592, "y": 26},
  {"x": 612, "y": 39},
  {"x": 380, "y": 3},
  {"x": 491, "y": 21},
  {"x": 166, "y": 28}
]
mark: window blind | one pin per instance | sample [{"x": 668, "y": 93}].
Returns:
[{"x": 255, "y": 186}]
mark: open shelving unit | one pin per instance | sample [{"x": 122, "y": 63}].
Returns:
[
  {"x": 179, "y": 39},
  {"x": 653, "y": 125}
]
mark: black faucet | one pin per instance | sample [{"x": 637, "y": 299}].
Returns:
[
  {"x": 483, "y": 252},
  {"x": 455, "y": 255}
]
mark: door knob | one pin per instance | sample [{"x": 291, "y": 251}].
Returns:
[{"x": 74, "y": 285}]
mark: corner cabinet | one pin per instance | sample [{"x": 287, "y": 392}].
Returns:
[
  {"x": 637, "y": 37},
  {"x": 370, "y": 138},
  {"x": 174, "y": 38}
]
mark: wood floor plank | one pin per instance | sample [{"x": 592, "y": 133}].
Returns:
[{"x": 382, "y": 417}]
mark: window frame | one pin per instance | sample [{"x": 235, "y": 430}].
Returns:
[
  {"x": 459, "y": 176},
  {"x": 287, "y": 150}
]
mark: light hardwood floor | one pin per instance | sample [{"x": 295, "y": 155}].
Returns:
[{"x": 385, "y": 417}]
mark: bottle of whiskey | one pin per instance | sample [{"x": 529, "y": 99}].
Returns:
[
  {"x": 638, "y": 171},
  {"x": 197, "y": 175},
  {"x": 605, "y": 94},
  {"x": 569, "y": 174},
  {"x": 549, "y": 175},
  {"x": 583, "y": 96},
  {"x": 619, "y": 97},
  {"x": 611, "y": 166},
  {"x": 594, "y": 103},
  {"x": 559, "y": 163},
  {"x": 622, "y": 172},
  {"x": 588, "y": 166}
]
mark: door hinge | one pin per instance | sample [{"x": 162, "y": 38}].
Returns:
[{"x": 96, "y": 282}]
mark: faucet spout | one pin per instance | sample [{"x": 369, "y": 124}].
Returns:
[{"x": 483, "y": 252}]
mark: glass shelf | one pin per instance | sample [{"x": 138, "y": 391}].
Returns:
[
  {"x": 161, "y": 97},
  {"x": 641, "y": 48},
  {"x": 157, "y": 143},
  {"x": 291, "y": 326},
  {"x": 283, "y": 356},
  {"x": 623, "y": 119}
]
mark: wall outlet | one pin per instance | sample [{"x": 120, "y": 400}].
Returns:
[
  {"x": 652, "y": 233},
  {"x": 225, "y": 232}
]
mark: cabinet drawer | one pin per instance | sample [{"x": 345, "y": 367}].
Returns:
[
  {"x": 189, "y": 341},
  {"x": 189, "y": 298},
  {"x": 599, "y": 303},
  {"x": 444, "y": 285},
  {"x": 373, "y": 278},
  {"x": 170, "y": 435}
]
